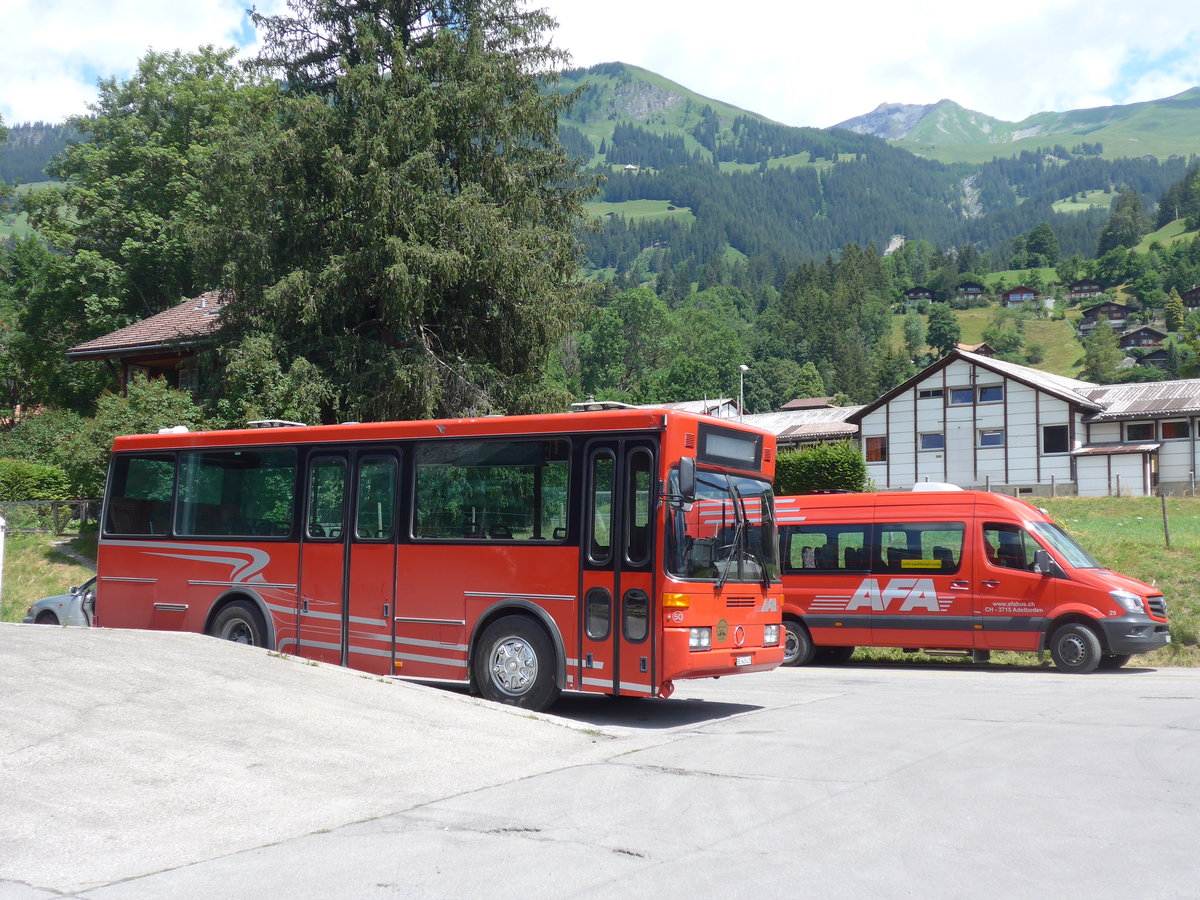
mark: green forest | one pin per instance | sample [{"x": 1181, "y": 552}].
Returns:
[{"x": 397, "y": 213}]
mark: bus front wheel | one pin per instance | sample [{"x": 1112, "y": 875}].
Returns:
[
  {"x": 239, "y": 622},
  {"x": 1075, "y": 648},
  {"x": 514, "y": 663},
  {"x": 798, "y": 647}
]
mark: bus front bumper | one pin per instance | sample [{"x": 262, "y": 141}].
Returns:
[
  {"x": 1134, "y": 634},
  {"x": 680, "y": 662}
]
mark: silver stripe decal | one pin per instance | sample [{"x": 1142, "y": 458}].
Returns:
[
  {"x": 452, "y": 663},
  {"x": 627, "y": 686},
  {"x": 257, "y": 584},
  {"x": 409, "y": 621},
  {"x": 362, "y": 620},
  {"x": 596, "y": 682},
  {"x": 437, "y": 645},
  {"x": 518, "y": 594}
]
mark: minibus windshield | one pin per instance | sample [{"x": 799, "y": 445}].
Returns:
[
  {"x": 727, "y": 534},
  {"x": 1065, "y": 545}
]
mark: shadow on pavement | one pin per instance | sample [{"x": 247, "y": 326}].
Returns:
[{"x": 633, "y": 712}]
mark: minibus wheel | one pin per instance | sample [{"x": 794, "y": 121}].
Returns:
[
  {"x": 514, "y": 663},
  {"x": 1075, "y": 648},
  {"x": 798, "y": 647},
  {"x": 239, "y": 622}
]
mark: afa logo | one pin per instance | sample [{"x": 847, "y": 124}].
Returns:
[{"x": 913, "y": 594}]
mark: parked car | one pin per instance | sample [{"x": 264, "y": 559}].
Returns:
[{"x": 74, "y": 608}]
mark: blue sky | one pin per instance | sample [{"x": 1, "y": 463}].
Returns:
[{"x": 814, "y": 63}]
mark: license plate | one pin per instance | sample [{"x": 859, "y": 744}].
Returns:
[{"x": 743, "y": 660}]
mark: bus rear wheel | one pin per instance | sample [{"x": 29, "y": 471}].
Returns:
[
  {"x": 514, "y": 664},
  {"x": 798, "y": 647},
  {"x": 239, "y": 622},
  {"x": 1075, "y": 648}
]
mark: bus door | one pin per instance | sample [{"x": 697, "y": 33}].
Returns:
[
  {"x": 1011, "y": 599},
  {"x": 348, "y": 559},
  {"x": 617, "y": 617}
]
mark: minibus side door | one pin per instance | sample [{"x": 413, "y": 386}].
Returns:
[{"x": 1011, "y": 600}]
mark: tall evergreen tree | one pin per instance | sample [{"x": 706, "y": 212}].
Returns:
[
  {"x": 404, "y": 219},
  {"x": 944, "y": 331},
  {"x": 1101, "y": 354},
  {"x": 1127, "y": 223}
]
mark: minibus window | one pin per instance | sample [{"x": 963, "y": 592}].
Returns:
[
  {"x": 916, "y": 548},
  {"x": 1009, "y": 546}
]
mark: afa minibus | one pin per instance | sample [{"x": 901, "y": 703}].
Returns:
[{"x": 953, "y": 570}]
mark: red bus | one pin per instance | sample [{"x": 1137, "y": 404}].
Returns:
[{"x": 613, "y": 551}]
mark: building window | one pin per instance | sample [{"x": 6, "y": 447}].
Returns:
[
  {"x": 933, "y": 441},
  {"x": 931, "y": 394},
  {"x": 1139, "y": 431},
  {"x": 991, "y": 437},
  {"x": 876, "y": 449},
  {"x": 992, "y": 393},
  {"x": 1180, "y": 428},
  {"x": 1056, "y": 438},
  {"x": 962, "y": 396}
]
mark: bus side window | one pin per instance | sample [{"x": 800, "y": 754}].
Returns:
[{"x": 140, "y": 500}]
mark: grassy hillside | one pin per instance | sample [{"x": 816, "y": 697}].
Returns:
[
  {"x": 641, "y": 209},
  {"x": 1168, "y": 234},
  {"x": 1158, "y": 128}
]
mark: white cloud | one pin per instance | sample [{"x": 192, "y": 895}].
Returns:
[
  {"x": 799, "y": 63},
  {"x": 821, "y": 63},
  {"x": 55, "y": 50}
]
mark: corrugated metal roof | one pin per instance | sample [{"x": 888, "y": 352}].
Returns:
[
  {"x": 1071, "y": 389},
  {"x": 1145, "y": 400},
  {"x": 1113, "y": 449}
]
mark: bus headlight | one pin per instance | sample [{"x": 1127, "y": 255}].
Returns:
[
  {"x": 1129, "y": 600},
  {"x": 770, "y": 635},
  {"x": 699, "y": 638}
]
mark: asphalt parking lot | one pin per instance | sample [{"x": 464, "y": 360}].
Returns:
[{"x": 143, "y": 764}]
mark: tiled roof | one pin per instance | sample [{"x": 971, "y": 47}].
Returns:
[
  {"x": 807, "y": 403},
  {"x": 186, "y": 323}
]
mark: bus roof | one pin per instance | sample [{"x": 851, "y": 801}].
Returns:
[{"x": 615, "y": 420}]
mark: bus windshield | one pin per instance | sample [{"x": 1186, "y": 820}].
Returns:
[
  {"x": 1065, "y": 545},
  {"x": 727, "y": 534}
]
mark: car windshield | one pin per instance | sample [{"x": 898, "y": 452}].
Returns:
[
  {"x": 727, "y": 534},
  {"x": 1065, "y": 545}
]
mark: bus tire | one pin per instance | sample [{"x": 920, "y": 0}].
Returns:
[
  {"x": 514, "y": 663},
  {"x": 798, "y": 647},
  {"x": 1112, "y": 661},
  {"x": 241, "y": 623},
  {"x": 1075, "y": 648}
]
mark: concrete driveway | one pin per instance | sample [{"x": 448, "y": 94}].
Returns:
[{"x": 143, "y": 764}]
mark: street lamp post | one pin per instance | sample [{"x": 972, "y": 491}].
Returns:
[{"x": 742, "y": 370}]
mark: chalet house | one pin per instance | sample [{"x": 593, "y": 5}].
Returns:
[
  {"x": 970, "y": 289},
  {"x": 913, "y": 294},
  {"x": 1019, "y": 296},
  {"x": 1191, "y": 298},
  {"x": 1142, "y": 337},
  {"x": 984, "y": 349},
  {"x": 983, "y": 423},
  {"x": 1116, "y": 313},
  {"x": 1154, "y": 358},
  {"x": 1084, "y": 289},
  {"x": 163, "y": 345}
]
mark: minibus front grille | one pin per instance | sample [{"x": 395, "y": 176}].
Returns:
[
  {"x": 740, "y": 603},
  {"x": 1158, "y": 606}
]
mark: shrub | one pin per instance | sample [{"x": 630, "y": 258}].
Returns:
[
  {"x": 22, "y": 480},
  {"x": 822, "y": 467}
]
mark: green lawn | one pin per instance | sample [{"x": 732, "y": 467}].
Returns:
[
  {"x": 641, "y": 209},
  {"x": 34, "y": 567}
]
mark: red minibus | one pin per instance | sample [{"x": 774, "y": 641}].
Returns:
[
  {"x": 951, "y": 570},
  {"x": 616, "y": 550}
]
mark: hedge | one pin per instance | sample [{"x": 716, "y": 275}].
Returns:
[
  {"x": 21, "y": 480},
  {"x": 822, "y": 467}
]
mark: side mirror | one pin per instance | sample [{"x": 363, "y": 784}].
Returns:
[
  {"x": 687, "y": 479},
  {"x": 1044, "y": 564}
]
